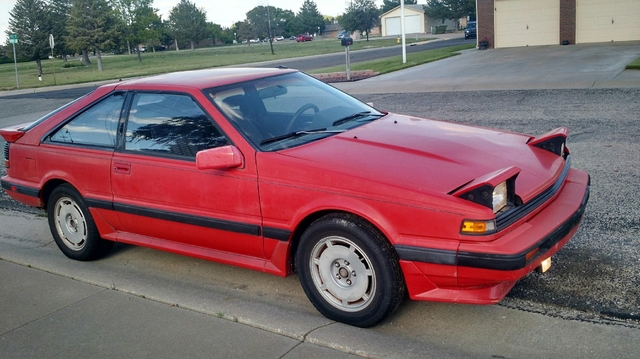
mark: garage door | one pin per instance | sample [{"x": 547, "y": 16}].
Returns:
[
  {"x": 527, "y": 23},
  {"x": 411, "y": 23},
  {"x": 392, "y": 25},
  {"x": 607, "y": 20}
]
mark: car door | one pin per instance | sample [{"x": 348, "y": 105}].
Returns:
[
  {"x": 80, "y": 152},
  {"x": 162, "y": 199}
]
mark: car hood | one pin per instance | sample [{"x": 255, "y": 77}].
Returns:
[{"x": 431, "y": 156}]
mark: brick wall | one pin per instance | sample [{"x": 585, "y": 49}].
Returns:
[
  {"x": 485, "y": 14},
  {"x": 568, "y": 21}
]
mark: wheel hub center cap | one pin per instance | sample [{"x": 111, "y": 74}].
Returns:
[{"x": 344, "y": 273}]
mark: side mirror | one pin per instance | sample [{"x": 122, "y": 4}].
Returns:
[
  {"x": 347, "y": 41},
  {"x": 219, "y": 158}
]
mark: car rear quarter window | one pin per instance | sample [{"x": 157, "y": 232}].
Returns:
[
  {"x": 170, "y": 124},
  {"x": 95, "y": 126}
]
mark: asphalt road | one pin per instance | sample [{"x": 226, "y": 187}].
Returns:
[
  {"x": 597, "y": 275},
  {"x": 317, "y": 62}
]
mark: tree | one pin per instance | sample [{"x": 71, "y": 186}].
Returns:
[
  {"x": 450, "y": 9},
  {"x": 58, "y": 15},
  {"x": 244, "y": 31},
  {"x": 126, "y": 10},
  {"x": 188, "y": 23},
  {"x": 265, "y": 18},
  {"x": 361, "y": 15},
  {"x": 286, "y": 20},
  {"x": 29, "y": 20},
  {"x": 388, "y": 5},
  {"x": 309, "y": 19},
  {"x": 145, "y": 28},
  {"x": 92, "y": 26}
]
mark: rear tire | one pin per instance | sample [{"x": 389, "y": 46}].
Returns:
[
  {"x": 349, "y": 271},
  {"x": 72, "y": 226}
]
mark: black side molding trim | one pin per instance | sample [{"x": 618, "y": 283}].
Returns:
[
  {"x": 427, "y": 255},
  {"x": 33, "y": 192},
  {"x": 97, "y": 203},
  {"x": 190, "y": 219},
  {"x": 276, "y": 233}
]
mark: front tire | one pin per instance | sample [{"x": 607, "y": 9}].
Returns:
[
  {"x": 349, "y": 271},
  {"x": 72, "y": 226}
]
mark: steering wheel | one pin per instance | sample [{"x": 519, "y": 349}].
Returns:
[{"x": 298, "y": 113}]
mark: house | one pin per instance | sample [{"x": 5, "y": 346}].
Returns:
[
  {"x": 332, "y": 30},
  {"x": 512, "y": 23},
  {"x": 415, "y": 21}
]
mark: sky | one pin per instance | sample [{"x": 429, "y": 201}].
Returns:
[{"x": 222, "y": 12}]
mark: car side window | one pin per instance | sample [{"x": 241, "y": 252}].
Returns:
[
  {"x": 170, "y": 124},
  {"x": 95, "y": 126}
]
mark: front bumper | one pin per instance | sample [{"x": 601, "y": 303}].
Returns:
[{"x": 484, "y": 272}]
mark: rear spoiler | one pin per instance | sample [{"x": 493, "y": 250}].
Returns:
[{"x": 12, "y": 133}]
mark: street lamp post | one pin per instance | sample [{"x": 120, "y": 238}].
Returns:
[{"x": 235, "y": 37}]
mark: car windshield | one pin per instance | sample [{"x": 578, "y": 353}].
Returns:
[
  {"x": 289, "y": 110},
  {"x": 471, "y": 25}
]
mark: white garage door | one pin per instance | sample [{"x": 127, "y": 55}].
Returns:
[
  {"x": 411, "y": 23},
  {"x": 392, "y": 25},
  {"x": 607, "y": 20},
  {"x": 527, "y": 22}
]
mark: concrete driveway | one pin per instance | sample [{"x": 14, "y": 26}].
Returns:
[{"x": 540, "y": 67}]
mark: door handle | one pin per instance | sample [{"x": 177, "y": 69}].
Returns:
[{"x": 120, "y": 167}]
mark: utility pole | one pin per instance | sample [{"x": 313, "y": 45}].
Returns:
[{"x": 404, "y": 42}]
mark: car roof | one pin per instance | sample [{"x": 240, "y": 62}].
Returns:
[{"x": 201, "y": 79}]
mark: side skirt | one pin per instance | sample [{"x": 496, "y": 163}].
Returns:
[{"x": 257, "y": 264}]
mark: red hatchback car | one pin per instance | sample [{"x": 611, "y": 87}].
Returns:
[
  {"x": 226, "y": 165},
  {"x": 303, "y": 38}
]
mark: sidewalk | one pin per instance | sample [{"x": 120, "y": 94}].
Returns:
[
  {"x": 139, "y": 302},
  {"x": 44, "y": 315}
]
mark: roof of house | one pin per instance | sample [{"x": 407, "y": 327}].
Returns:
[
  {"x": 333, "y": 27},
  {"x": 414, "y": 7}
]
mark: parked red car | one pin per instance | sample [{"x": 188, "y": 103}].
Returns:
[
  {"x": 303, "y": 37},
  {"x": 226, "y": 165}
]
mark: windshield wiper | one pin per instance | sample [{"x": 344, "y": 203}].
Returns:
[
  {"x": 353, "y": 116},
  {"x": 296, "y": 134}
]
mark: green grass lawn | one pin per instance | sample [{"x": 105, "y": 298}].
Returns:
[
  {"x": 124, "y": 66},
  {"x": 635, "y": 65},
  {"x": 391, "y": 64}
]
